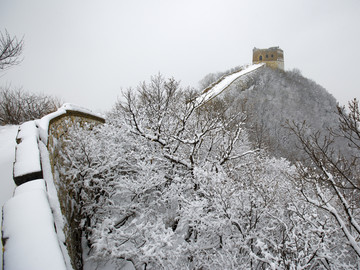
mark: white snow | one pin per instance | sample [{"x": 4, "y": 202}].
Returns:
[
  {"x": 27, "y": 157},
  {"x": 28, "y": 227},
  {"x": 30, "y": 216},
  {"x": 7, "y": 155},
  {"x": 43, "y": 123},
  {"x": 30, "y": 186},
  {"x": 73, "y": 107},
  {"x": 27, "y": 129},
  {"x": 223, "y": 83},
  {"x": 54, "y": 201}
]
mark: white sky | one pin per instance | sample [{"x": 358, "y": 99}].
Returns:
[{"x": 86, "y": 51}]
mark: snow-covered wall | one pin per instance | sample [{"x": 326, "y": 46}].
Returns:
[
  {"x": 70, "y": 210},
  {"x": 223, "y": 83},
  {"x": 30, "y": 241},
  {"x": 27, "y": 156},
  {"x": 34, "y": 220}
]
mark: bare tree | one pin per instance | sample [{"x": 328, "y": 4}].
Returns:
[
  {"x": 162, "y": 113},
  {"x": 10, "y": 50},
  {"x": 331, "y": 179},
  {"x": 18, "y": 106}
]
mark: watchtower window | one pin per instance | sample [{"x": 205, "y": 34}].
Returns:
[
  {"x": 260, "y": 58},
  {"x": 272, "y": 56},
  {"x": 267, "y": 56}
]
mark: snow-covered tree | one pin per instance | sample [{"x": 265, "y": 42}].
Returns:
[
  {"x": 330, "y": 179},
  {"x": 169, "y": 186},
  {"x": 164, "y": 113},
  {"x": 270, "y": 97}
]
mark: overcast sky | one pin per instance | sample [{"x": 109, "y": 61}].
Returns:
[{"x": 86, "y": 51}]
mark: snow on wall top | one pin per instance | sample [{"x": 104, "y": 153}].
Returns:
[
  {"x": 28, "y": 227},
  {"x": 223, "y": 83},
  {"x": 28, "y": 222},
  {"x": 27, "y": 155},
  {"x": 44, "y": 122},
  {"x": 27, "y": 165},
  {"x": 26, "y": 130}
]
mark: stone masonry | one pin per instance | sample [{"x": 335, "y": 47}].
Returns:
[{"x": 273, "y": 57}]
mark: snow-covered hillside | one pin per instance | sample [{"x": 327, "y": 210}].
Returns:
[
  {"x": 7, "y": 155},
  {"x": 270, "y": 98}
]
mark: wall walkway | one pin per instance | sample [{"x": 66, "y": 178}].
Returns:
[{"x": 36, "y": 229}]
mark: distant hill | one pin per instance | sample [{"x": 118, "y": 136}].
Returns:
[{"x": 270, "y": 97}]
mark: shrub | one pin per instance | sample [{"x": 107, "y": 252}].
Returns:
[{"x": 18, "y": 106}]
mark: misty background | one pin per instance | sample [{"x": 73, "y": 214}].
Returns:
[{"x": 86, "y": 52}]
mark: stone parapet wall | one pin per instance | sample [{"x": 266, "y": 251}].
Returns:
[
  {"x": 57, "y": 136},
  {"x": 58, "y": 128},
  {"x": 41, "y": 186}
]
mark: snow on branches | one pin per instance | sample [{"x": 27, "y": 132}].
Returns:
[{"x": 169, "y": 186}]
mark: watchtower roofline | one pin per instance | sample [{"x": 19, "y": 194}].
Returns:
[{"x": 272, "y": 57}]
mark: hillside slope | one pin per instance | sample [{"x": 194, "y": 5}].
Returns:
[{"x": 270, "y": 98}]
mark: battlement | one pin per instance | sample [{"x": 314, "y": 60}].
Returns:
[{"x": 273, "y": 57}]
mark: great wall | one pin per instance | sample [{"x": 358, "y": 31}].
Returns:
[
  {"x": 39, "y": 193},
  {"x": 43, "y": 225}
]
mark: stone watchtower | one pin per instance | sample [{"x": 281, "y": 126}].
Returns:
[{"x": 273, "y": 57}]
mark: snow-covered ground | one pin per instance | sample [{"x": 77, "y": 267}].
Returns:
[{"x": 7, "y": 155}]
